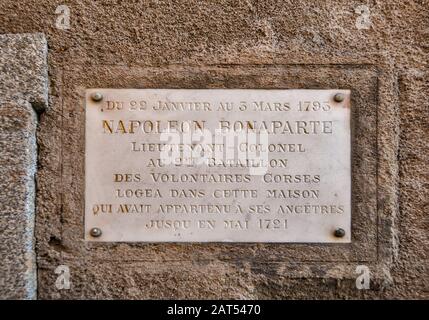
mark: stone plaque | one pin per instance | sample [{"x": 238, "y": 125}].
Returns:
[{"x": 218, "y": 165}]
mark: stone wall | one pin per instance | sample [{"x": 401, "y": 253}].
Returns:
[
  {"x": 24, "y": 91},
  {"x": 382, "y": 58}
]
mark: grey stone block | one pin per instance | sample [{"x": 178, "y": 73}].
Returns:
[
  {"x": 18, "y": 123},
  {"x": 23, "y": 68},
  {"x": 23, "y": 92}
]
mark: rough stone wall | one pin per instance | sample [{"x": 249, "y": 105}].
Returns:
[
  {"x": 291, "y": 44},
  {"x": 23, "y": 92}
]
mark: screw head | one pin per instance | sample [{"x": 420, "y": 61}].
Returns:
[
  {"x": 339, "y": 97},
  {"x": 96, "y": 96},
  {"x": 339, "y": 232},
  {"x": 95, "y": 232}
]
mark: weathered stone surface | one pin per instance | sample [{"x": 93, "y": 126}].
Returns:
[
  {"x": 246, "y": 44},
  {"x": 23, "y": 88},
  {"x": 23, "y": 68},
  {"x": 17, "y": 168},
  {"x": 413, "y": 223}
]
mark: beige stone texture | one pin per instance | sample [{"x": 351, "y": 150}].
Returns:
[{"x": 240, "y": 44}]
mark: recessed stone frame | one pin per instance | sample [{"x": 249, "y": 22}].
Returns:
[{"x": 374, "y": 173}]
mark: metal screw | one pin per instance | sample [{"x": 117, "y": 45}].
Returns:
[
  {"x": 339, "y": 97},
  {"x": 339, "y": 232},
  {"x": 95, "y": 232},
  {"x": 96, "y": 96}
]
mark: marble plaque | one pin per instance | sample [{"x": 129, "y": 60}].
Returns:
[{"x": 217, "y": 165}]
